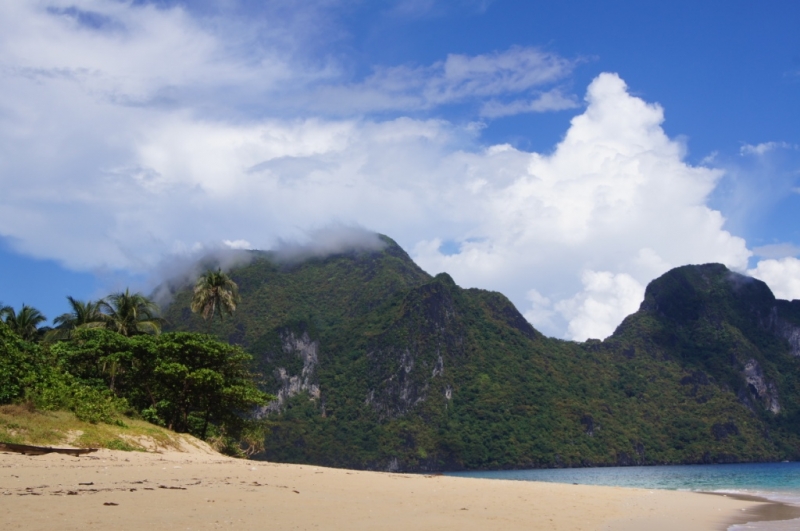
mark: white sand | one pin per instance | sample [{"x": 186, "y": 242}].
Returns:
[{"x": 203, "y": 490}]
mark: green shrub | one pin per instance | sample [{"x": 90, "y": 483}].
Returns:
[{"x": 61, "y": 391}]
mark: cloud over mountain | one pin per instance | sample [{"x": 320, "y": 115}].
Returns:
[{"x": 133, "y": 131}]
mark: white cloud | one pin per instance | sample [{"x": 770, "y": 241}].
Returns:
[
  {"x": 615, "y": 198},
  {"x": 605, "y": 301},
  {"x": 331, "y": 239},
  {"x": 144, "y": 55},
  {"x": 764, "y": 147},
  {"x": 122, "y": 143},
  {"x": 553, "y": 100},
  {"x": 709, "y": 159},
  {"x": 124, "y": 131},
  {"x": 238, "y": 244},
  {"x": 540, "y": 312},
  {"x": 457, "y": 79},
  {"x": 782, "y": 276},
  {"x": 138, "y": 55}
]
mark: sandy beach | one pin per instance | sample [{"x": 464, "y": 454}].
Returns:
[{"x": 204, "y": 490}]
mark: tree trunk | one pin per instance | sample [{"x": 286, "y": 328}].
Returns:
[{"x": 205, "y": 422}]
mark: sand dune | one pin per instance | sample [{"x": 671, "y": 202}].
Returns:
[{"x": 203, "y": 490}]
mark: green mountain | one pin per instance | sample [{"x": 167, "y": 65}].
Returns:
[{"x": 378, "y": 365}]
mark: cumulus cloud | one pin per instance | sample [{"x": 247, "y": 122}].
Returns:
[
  {"x": 606, "y": 299},
  {"x": 782, "y": 276},
  {"x": 125, "y": 121},
  {"x": 540, "y": 310},
  {"x": 124, "y": 139},
  {"x": 587, "y": 226}
]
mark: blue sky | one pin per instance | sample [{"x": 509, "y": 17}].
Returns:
[{"x": 564, "y": 153}]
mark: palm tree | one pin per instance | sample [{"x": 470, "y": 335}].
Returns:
[
  {"x": 83, "y": 315},
  {"x": 25, "y": 323},
  {"x": 130, "y": 314},
  {"x": 215, "y": 289}
]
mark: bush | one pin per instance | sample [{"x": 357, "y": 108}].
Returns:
[
  {"x": 20, "y": 365},
  {"x": 186, "y": 382},
  {"x": 63, "y": 392}
]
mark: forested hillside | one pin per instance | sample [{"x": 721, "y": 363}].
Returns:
[{"x": 376, "y": 364}]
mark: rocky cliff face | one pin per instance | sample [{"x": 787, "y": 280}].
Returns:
[
  {"x": 791, "y": 334},
  {"x": 409, "y": 359},
  {"x": 306, "y": 381},
  {"x": 728, "y": 324},
  {"x": 762, "y": 390},
  {"x": 786, "y": 323}
]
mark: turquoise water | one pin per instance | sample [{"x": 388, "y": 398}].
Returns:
[
  {"x": 775, "y": 481},
  {"x": 779, "y": 477}
]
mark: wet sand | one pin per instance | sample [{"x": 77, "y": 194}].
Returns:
[
  {"x": 204, "y": 490},
  {"x": 766, "y": 511}
]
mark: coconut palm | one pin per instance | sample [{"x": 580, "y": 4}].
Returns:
[
  {"x": 215, "y": 290},
  {"x": 130, "y": 314},
  {"x": 25, "y": 323},
  {"x": 83, "y": 315}
]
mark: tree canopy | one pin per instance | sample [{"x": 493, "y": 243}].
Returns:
[
  {"x": 187, "y": 382},
  {"x": 18, "y": 364},
  {"x": 130, "y": 314},
  {"x": 180, "y": 380},
  {"x": 214, "y": 290},
  {"x": 24, "y": 323},
  {"x": 83, "y": 315}
]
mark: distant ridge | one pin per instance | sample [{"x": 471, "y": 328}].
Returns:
[{"x": 378, "y": 365}]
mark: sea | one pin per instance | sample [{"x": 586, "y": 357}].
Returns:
[{"x": 774, "y": 481}]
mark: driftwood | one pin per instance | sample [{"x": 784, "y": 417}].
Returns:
[{"x": 41, "y": 450}]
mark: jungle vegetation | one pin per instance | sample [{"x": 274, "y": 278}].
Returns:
[
  {"x": 107, "y": 362},
  {"x": 382, "y": 366}
]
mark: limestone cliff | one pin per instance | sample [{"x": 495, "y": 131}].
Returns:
[{"x": 305, "y": 382}]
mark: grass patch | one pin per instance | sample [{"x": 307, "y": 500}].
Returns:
[{"x": 23, "y": 424}]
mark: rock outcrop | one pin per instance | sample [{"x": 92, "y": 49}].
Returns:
[
  {"x": 294, "y": 384},
  {"x": 762, "y": 390}
]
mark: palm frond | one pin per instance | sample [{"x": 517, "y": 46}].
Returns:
[{"x": 213, "y": 291}]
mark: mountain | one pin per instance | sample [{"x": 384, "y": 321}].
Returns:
[{"x": 378, "y": 365}]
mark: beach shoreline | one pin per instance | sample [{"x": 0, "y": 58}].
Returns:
[
  {"x": 204, "y": 490},
  {"x": 767, "y": 510}
]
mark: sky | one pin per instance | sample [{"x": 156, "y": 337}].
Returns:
[{"x": 562, "y": 153}]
